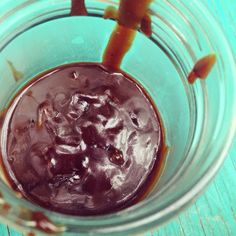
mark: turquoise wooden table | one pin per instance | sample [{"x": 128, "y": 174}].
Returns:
[{"x": 214, "y": 213}]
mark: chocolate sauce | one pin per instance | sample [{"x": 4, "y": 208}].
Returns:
[
  {"x": 202, "y": 68},
  {"x": 2, "y": 117},
  {"x": 43, "y": 223},
  {"x": 130, "y": 16},
  {"x": 30, "y": 234},
  {"x": 78, "y": 8},
  {"x": 6, "y": 207},
  {"x": 83, "y": 140},
  {"x": 17, "y": 75},
  {"x": 119, "y": 44},
  {"x": 146, "y": 25},
  {"x": 110, "y": 13}
]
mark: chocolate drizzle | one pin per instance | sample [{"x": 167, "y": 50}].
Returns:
[
  {"x": 78, "y": 8},
  {"x": 202, "y": 68},
  {"x": 130, "y": 16}
]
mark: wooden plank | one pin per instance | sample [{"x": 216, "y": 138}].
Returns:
[
  {"x": 4, "y": 230},
  {"x": 12, "y": 232},
  {"x": 214, "y": 213}
]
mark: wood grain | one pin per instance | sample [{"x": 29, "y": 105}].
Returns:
[{"x": 214, "y": 213}]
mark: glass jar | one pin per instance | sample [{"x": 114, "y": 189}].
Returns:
[{"x": 199, "y": 119}]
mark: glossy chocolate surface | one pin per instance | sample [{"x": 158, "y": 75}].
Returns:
[{"x": 83, "y": 140}]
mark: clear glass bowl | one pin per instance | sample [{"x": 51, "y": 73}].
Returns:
[{"x": 199, "y": 119}]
